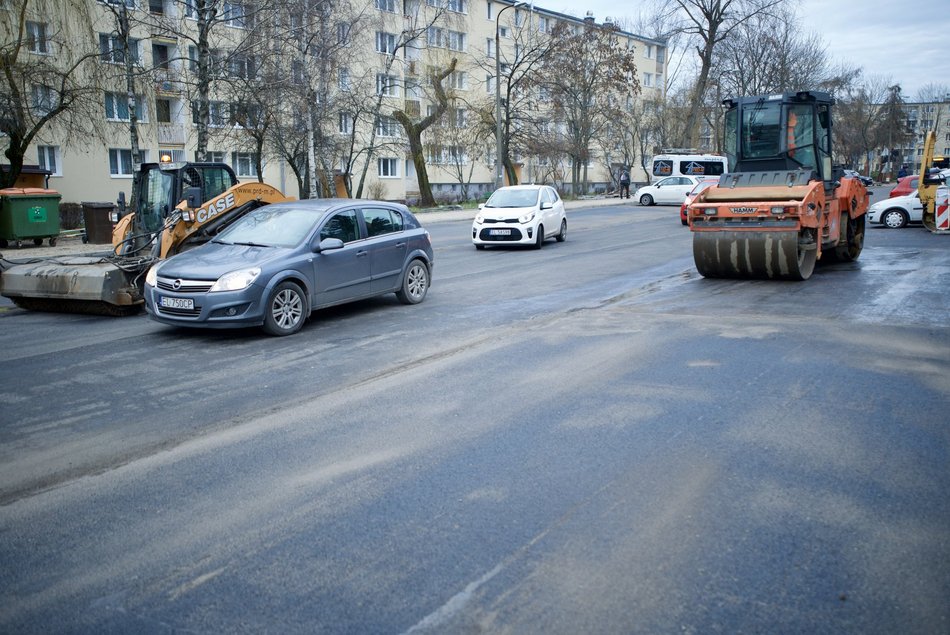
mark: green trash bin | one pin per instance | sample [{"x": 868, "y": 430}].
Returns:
[{"x": 29, "y": 213}]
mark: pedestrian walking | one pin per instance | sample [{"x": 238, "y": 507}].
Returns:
[{"x": 625, "y": 183}]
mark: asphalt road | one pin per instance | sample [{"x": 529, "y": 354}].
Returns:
[{"x": 587, "y": 438}]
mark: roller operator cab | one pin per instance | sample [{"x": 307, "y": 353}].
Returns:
[{"x": 782, "y": 205}]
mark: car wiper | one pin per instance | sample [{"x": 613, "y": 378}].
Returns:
[
  {"x": 250, "y": 244},
  {"x": 218, "y": 241}
]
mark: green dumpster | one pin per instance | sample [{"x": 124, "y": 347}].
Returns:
[{"x": 28, "y": 213}]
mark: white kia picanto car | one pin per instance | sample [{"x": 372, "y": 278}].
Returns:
[{"x": 520, "y": 215}]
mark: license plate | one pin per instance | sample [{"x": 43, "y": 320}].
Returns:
[
  {"x": 177, "y": 303},
  {"x": 499, "y": 232}
]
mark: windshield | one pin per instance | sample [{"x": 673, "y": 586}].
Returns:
[
  {"x": 270, "y": 227},
  {"x": 761, "y": 130},
  {"x": 513, "y": 198}
]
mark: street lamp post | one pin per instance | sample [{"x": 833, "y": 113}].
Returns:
[{"x": 499, "y": 159}]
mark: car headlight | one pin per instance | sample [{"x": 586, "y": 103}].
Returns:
[
  {"x": 151, "y": 278},
  {"x": 236, "y": 280},
  {"x": 526, "y": 218},
  {"x": 479, "y": 219}
]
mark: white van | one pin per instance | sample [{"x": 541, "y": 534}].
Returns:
[{"x": 665, "y": 165}]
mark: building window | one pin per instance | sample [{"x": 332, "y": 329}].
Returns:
[
  {"x": 175, "y": 155},
  {"x": 490, "y": 47},
  {"x": 346, "y": 123},
  {"x": 117, "y": 107},
  {"x": 385, "y": 42},
  {"x": 37, "y": 40},
  {"x": 120, "y": 162},
  {"x": 343, "y": 33},
  {"x": 386, "y": 5},
  {"x": 344, "y": 79},
  {"x": 163, "y": 110},
  {"x": 48, "y": 159},
  {"x": 245, "y": 164},
  {"x": 130, "y": 4},
  {"x": 112, "y": 49},
  {"x": 388, "y": 168},
  {"x": 44, "y": 99},
  {"x": 457, "y": 6},
  {"x": 648, "y": 80},
  {"x": 237, "y": 15},
  {"x": 458, "y": 80},
  {"x": 488, "y": 8},
  {"x": 212, "y": 156},
  {"x": 387, "y": 85},
  {"x": 243, "y": 66},
  {"x": 387, "y": 127},
  {"x": 457, "y": 41}
]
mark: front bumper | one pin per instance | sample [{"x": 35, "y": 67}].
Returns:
[
  {"x": 226, "y": 309},
  {"x": 503, "y": 233}
]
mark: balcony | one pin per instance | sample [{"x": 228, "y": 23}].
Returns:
[
  {"x": 172, "y": 134},
  {"x": 166, "y": 83}
]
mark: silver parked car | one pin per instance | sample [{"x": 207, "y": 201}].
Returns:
[
  {"x": 520, "y": 214},
  {"x": 272, "y": 267}
]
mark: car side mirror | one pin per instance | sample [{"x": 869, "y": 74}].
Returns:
[
  {"x": 481, "y": 206},
  {"x": 328, "y": 244},
  {"x": 547, "y": 205}
]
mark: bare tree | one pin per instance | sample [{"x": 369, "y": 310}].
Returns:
[
  {"x": 709, "y": 23},
  {"x": 414, "y": 130},
  {"x": 37, "y": 89},
  {"x": 521, "y": 91},
  {"x": 418, "y": 19},
  {"x": 590, "y": 76},
  {"x": 932, "y": 93}
]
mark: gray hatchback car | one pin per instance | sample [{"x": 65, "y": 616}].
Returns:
[{"x": 275, "y": 265}]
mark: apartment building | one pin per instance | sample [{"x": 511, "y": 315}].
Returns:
[
  {"x": 383, "y": 53},
  {"x": 921, "y": 119}
]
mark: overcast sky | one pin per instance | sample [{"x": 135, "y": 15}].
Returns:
[{"x": 907, "y": 41}]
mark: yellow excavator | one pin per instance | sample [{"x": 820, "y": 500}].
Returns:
[
  {"x": 180, "y": 205},
  {"x": 782, "y": 206},
  {"x": 932, "y": 187}
]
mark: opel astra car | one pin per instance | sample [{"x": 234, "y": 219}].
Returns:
[
  {"x": 668, "y": 191},
  {"x": 520, "y": 215},
  {"x": 897, "y": 212},
  {"x": 275, "y": 265}
]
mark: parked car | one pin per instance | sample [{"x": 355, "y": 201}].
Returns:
[
  {"x": 668, "y": 191},
  {"x": 854, "y": 174},
  {"x": 905, "y": 185},
  {"x": 897, "y": 212},
  {"x": 520, "y": 215},
  {"x": 704, "y": 182},
  {"x": 275, "y": 265}
]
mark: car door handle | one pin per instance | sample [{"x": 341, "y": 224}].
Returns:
[
  {"x": 362, "y": 253},
  {"x": 400, "y": 245}
]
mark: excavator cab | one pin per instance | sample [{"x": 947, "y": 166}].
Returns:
[
  {"x": 781, "y": 133},
  {"x": 165, "y": 185}
]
